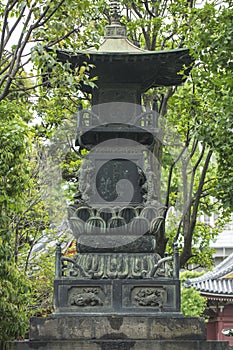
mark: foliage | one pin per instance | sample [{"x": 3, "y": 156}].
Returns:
[
  {"x": 15, "y": 298},
  {"x": 194, "y": 162},
  {"x": 191, "y": 184},
  {"x": 192, "y": 303},
  {"x": 28, "y": 208},
  {"x": 42, "y": 278},
  {"x": 28, "y": 29},
  {"x": 213, "y": 86},
  {"x": 14, "y": 289},
  {"x": 207, "y": 137}
]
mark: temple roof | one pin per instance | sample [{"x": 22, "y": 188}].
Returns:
[{"x": 216, "y": 284}]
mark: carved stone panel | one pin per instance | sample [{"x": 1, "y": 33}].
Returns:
[
  {"x": 149, "y": 296},
  {"x": 87, "y": 297},
  {"x": 152, "y": 296}
]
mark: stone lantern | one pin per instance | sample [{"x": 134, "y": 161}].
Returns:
[
  {"x": 117, "y": 293},
  {"x": 117, "y": 216}
]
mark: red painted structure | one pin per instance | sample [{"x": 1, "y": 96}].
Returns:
[
  {"x": 217, "y": 287},
  {"x": 223, "y": 319}
]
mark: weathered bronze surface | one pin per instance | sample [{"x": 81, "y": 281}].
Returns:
[
  {"x": 113, "y": 265},
  {"x": 124, "y": 70},
  {"x": 116, "y": 216}
]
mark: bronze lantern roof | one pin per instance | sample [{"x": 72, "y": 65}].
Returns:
[
  {"x": 144, "y": 68},
  {"x": 118, "y": 61}
]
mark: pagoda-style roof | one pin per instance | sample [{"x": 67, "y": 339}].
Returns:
[
  {"x": 145, "y": 68},
  {"x": 118, "y": 61},
  {"x": 216, "y": 284}
]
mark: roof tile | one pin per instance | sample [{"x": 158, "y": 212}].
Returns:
[{"x": 215, "y": 282}]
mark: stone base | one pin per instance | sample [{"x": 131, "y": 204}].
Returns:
[
  {"x": 117, "y": 333},
  {"x": 116, "y": 327},
  {"x": 118, "y": 345}
]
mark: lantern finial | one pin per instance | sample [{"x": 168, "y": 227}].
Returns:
[
  {"x": 115, "y": 29},
  {"x": 115, "y": 11}
]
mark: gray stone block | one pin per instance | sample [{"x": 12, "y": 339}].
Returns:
[
  {"x": 130, "y": 327},
  {"x": 118, "y": 344}
]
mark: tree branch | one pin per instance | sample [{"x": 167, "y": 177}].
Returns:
[
  {"x": 22, "y": 42},
  {"x": 148, "y": 10},
  {"x": 14, "y": 26},
  {"x": 187, "y": 249},
  {"x": 38, "y": 23},
  {"x": 170, "y": 177},
  {"x": 64, "y": 36},
  {"x": 195, "y": 168}
]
